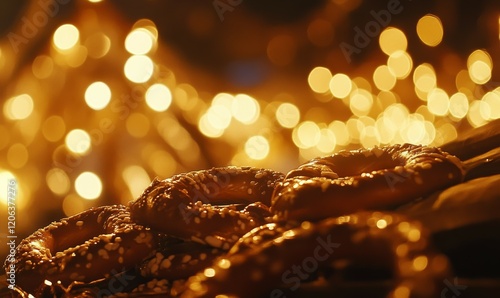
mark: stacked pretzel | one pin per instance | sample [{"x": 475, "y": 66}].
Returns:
[{"x": 251, "y": 232}]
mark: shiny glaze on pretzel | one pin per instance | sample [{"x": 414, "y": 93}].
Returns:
[
  {"x": 366, "y": 179},
  {"x": 213, "y": 207},
  {"x": 84, "y": 247},
  {"x": 277, "y": 266}
]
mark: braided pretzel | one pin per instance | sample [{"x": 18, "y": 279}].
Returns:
[
  {"x": 279, "y": 265},
  {"x": 213, "y": 207},
  {"x": 83, "y": 247},
  {"x": 365, "y": 179}
]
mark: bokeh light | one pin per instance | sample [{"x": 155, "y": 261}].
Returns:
[
  {"x": 257, "y": 147},
  {"x": 158, "y": 97},
  {"x": 97, "y": 95},
  {"x": 340, "y": 85},
  {"x": 139, "y": 42},
  {"x": 430, "y": 30},
  {"x": 88, "y": 185},
  {"x": 392, "y": 40},
  {"x": 139, "y": 68},
  {"x": 78, "y": 141},
  {"x": 18, "y": 107},
  {"x": 319, "y": 79},
  {"x": 66, "y": 37},
  {"x": 288, "y": 115}
]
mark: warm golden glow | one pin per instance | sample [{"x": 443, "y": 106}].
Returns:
[
  {"x": 97, "y": 95},
  {"x": 319, "y": 79},
  {"x": 139, "y": 68},
  {"x": 158, "y": 97},
  {"x": 58, "y": 181},
  {"x": 245, "y": 109},
  {"x": 17, "y": 155},
  {"x": 420, "y": 263},
  {"x": 288, "y": 115},
  {"x": 18, "y": 107},
  {"x": 53, "y": 128},
  {"x": 88, "y": 185},
  {"x": 438, "y": 102},
  {"x": 340, "y": 85},
  {"x": 459, "y": 105},
  {"x": 430, "y": 30},
  {"x": 492, "y": 100},
  {"x": 384, "y": 78},
  {"x": 97, "y": 45},
  {"x": 257, "y": 147},
  {"x": 306, "y": 134},
  {"x": 400, "y": 64},
  {"x": 480, "y": 72},
  {"x": 360, "y": 102},
  {"x": 139, "y": 42},
  {"x": 136, "y": 179},
  {"x": 137, "y": 125},
  {"x": 78, "y": 141},
  {"x": 392, "y": 40},
  {"x": 66, "y": 37},
  {"x": 42, "y": 66}
]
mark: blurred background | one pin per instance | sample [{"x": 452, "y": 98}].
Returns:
[{"x": 99, "y": 97}]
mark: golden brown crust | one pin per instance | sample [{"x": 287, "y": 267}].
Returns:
[
  {"x": 83, "y": 247},
  {"x": 213, "y": 207},
  {"x": 379, "y": 178}
]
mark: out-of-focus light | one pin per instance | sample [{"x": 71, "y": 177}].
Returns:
[
  {"x": 97, "y": 95},
  {"x": 18, "y": 107},
  {"x": 207, "y": 129},
  {"x": 339, "y": 129},
  {"x": 136, "y": 179},
  {"x": 430, "y": 30},
  {"x": 78, "y": 141},
  {"x": 360, "y": 102},
  {"x": 492, "y": 99},
  {"x": 384, "y": 78},
  {"x": 480, "y": 72},
  {"x": 245, "y": 109},
  {"x": 306, "y": 135},
  {"x": 139, "y": 42},
  {"x": 424, "y": 78},
  {"x": 95, "y": 1},
  {"x": 139, "y": 68},
  {"x": 369, "y": 137},
  {"x": 66, "y": 37},
  {"x": 17, "y": 155},
  {"x": 5, "y": 178},
  {"x": 42, "y": 66},
  {"x": 475, "y": 116},
  {"x": 327, "y": 141},
  {"x": 257, "y": 147},
  {"x": 53, "y": 128},
  {"x": 98, "y": 45},
  {"x": 73, "y": 204},
  {"x": 137, "y": 125},
  {"x": 58, "y": 181},
  {"x": 219, "y": 116},
  {"x": 340, "y": 85},
  {"x": 158, "y": 97},
  {"x": 438, "y": 102},
  {"x": 88, "y": 185},
  {"x": 400, "y": 64},
  {"x": 459, "y": 105},
  {"x": 288, "y": 115},
  {"x": 392, "y": 40},
  {"x": 319, "y": 79}
]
